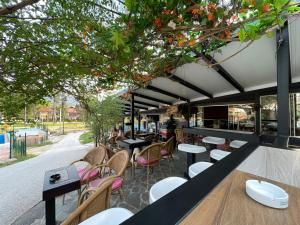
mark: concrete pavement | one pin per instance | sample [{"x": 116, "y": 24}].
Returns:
[{"x": 21, "y": 183}]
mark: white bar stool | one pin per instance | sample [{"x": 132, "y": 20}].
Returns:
[
  {"x": 112, "y": 216},
  {"x": 217, "y": 155},
  {"x": 163, "y": 187},
  {"x": 198, "y": 167},
  {"x": 237, "y": 144},
  {"x": 190, "y": 150}
]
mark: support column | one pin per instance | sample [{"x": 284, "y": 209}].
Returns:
[
  {"x": 139, "y": 122},
  {"x": 257, "y": 116},
  {"x": 283, "y": 78},
  {"x": 189, "y": 114},
  {"x": 132, "y": 115}
]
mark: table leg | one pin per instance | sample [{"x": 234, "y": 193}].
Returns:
[
  {"x": 190, "y": 159},
  {"x": 50, "y": 211}
]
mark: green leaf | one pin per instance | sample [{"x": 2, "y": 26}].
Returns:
[
  {"x": 130, "y": 4},
  {"x": 242, "y": 34},
  {"x": 118, "y": 39},
  {"x": 278, "y": 4}
]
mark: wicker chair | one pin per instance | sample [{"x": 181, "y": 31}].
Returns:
[
  {"x": 116, "y": 166},
  {"x": 180, "y": 137},
  {"x": 92, "y": 201},
  {"x": 148, "y": 157},
  {"x": 167, "y": 148},
  {"x": 94, "y": 157}
]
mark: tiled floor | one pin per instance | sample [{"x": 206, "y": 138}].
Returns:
[{"x": 135, "y": 191}]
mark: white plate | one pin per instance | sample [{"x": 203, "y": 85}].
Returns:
[{"x": 267, "y": 194}]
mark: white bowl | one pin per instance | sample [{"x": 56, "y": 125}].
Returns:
[{"x": 267, "y": 194}]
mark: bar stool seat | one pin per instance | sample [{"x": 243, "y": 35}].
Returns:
[
  {"x": 112, "y": 216},
  {"x": 163, "y": 187},
  {"x": 217, "y": 154},
  {"x": 191, "y": 148},
  {"x": 198, "y": 167},
  {"x": 237, "y": 144}
]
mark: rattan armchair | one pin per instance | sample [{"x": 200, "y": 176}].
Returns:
[
  {"x": 180, "y": 137},
  {"x": 92, "y": 201},
  {"x": 94, "y": 157},
  {"x": 116, "y": 166},
  {"x": 167, "y": 148},
  {"x": 148, "y": 157}
]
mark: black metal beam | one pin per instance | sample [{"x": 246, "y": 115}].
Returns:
[
  {"x": 132, "y": 115},
  {"x": 145, "y": 103},
  {"x": 158, "y": 90},
  {"x": 210, "y": 60},
  {"x": 136, "y": 106},
  {"x": 189, "y": 85},
  {"x": 246, "y": 97},
  {"x": 283, "y": 80},
  {"x": 153, "y": 99}
]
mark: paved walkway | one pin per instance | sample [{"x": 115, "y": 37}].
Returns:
[{"x": 21, "y": 183}]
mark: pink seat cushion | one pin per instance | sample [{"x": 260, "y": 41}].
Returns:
[
  {"x": 115, "y": 186},
  {"x": 92, "y": 174},
  {"x": 222, "y": 147},
  {"x": 164, "y": 152},
  {"x": 142, "y": 161}
]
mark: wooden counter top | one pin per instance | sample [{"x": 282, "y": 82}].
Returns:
[{"x": 228, "y": 204}]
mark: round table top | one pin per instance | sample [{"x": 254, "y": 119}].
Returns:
[
  {"x": 163, "y": 187},
  {"x": 214, "y": 140},
  {"x": 198, "y": 167},
  {"x": 112, "y": 216},
  {"x": 237, "y": 144},
  {"x": 191, "y": 148}
]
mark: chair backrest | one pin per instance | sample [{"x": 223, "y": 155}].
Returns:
[
  {"x": 169, "y": 145},
  {"x": 179, "y": 133},
  {"x": 152, "y": 152},
  {"x": 92, "y": 201},
  {"x": 96, "y": 155},
  {"x": 118, "y": 162}
]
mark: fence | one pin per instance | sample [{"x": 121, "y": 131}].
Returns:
[{"x": 17, "y": 146}]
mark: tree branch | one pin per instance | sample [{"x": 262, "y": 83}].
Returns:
[{"x": 13, "y": 8}]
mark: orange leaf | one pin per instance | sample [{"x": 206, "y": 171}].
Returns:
[
  {"x": 170, "y": 40},
  {"x": 195, "y": 11},
  {"x": 266, "y": 8},
  {"x": 192, "y": 42},
  {"x": 210, "y": 17},
  {"x": 181, "y": 43},
  {"x": 157, "y": 22}
]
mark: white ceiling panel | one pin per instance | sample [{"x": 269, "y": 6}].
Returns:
[
  {"x": 146, "y": 100},
  {"x": 205, "y": 78},
  {"x": 253, "y": 67},
  {"x": 174, "y": 87},
  {"x": 294, "y": 33},
  {"x": 155, "y": 95}
]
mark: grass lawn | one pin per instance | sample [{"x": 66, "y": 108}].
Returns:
[
  {"x": 87, "y": 137},
  {"x": 19, "y": 159},
  {"x": 41, "y": 144}
]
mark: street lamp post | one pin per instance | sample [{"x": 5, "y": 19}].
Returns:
[{"x": 63, "y": 99}]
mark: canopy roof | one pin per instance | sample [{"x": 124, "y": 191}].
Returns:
[{"x": 253, "y": 68}]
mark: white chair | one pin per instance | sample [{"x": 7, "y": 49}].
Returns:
[
  {"x": 237, "y": 144},
  {"x": 164, "y": 186},
  {"x": 198, "y": 167},
  {"x": 217, "y": 155},
  {"x": 112, "y": 216}
]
